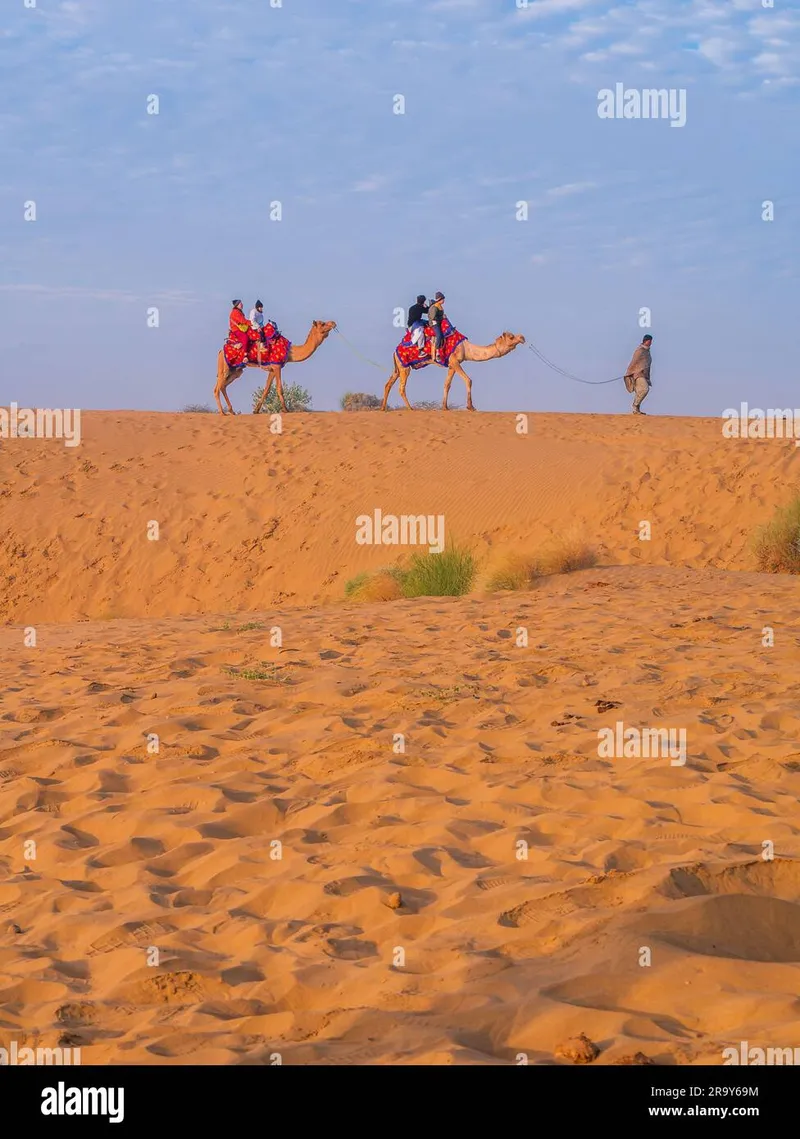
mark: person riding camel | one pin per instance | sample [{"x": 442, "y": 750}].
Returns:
[
  {"x": 417, "y": 322},
  {"x": 435, "y": 317},
  {"x": 257, "y": 338},
  {"x": 257, "y": 316},
  {"x": 238, "y": 335}
]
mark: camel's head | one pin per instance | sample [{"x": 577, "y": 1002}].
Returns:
[
  {"x": 323, "y": 328},
  {"x": 508, "y": 341}
]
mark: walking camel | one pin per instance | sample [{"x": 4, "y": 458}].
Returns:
[
  {"x": 319, "y": 331},
  {"x": 506, "y": 342}
]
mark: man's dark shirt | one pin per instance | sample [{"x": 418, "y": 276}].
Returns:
[{"x": 415, "y": 313}]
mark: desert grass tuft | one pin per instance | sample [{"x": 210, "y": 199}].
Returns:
[
  {"x": 777, "y": 543},
  {"x": 448, "y": 574},
  {"x": 517, "y": 571}
]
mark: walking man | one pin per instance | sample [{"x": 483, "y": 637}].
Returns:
[{"x": 637, "y": 377}]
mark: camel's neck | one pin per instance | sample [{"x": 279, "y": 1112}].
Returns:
[
  {"x": 312, "y": 343},
  {"x": 484, "y": 351}
]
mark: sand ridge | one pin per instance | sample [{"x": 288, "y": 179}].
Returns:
[{"x": 249, "y": 519}]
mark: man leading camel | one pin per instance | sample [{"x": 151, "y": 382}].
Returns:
[{"x": 637, "y": 377}]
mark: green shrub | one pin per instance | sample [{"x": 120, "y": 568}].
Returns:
[
  {"x": 448, "y": 574},
  {"x": 297, "y": 399},
  {"x": 777, "y": 544},
  {"x": 359, "y": 401}
]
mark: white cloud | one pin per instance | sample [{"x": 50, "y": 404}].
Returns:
[
  {"x": 370, "y": 185},
  {"x": 539, "y": 8},
  {"x": 570, "y": 188},
  {"x": 718, "y": 50},
  {"x": 80, "y": 292}
]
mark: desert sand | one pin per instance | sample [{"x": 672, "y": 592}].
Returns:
[{"x": 390, "y": 837}]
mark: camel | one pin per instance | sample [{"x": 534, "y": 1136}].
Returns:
[
  {"x": 506, "y": 342},
  {"x": 319, "y": 331}
]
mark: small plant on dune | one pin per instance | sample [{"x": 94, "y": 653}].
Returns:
[
  {"x": 777, "y": 544},
  {"x": 359, "y": 401},
  {"x": 568, "y": 556},
  {"x": 265, "y": 671},
  {"x": 381, "y": 586},
  {"x": 197, "y": 407},
  {"x": 516, "y": 572},
  {"x": 352, "y": 586},
  {"x": 448, "y": 574},
  {"x": 384, "y": 585},
  {"x": 297, "y": 399},
  {"x": 522, "y": 571}
]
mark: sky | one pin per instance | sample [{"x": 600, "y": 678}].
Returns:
[{"x": 296, "y": 103}]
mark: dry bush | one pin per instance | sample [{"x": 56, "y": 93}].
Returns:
[
  {"x": 516, "y": 571},
  {"x": 777, "y": 544}
]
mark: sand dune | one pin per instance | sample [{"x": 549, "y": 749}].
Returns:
[
  {"x": 392, "y": 838},
  {"x": 249, "y": 519},
  {"x": 295, "y": 955}
]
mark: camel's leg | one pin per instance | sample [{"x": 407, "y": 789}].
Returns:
[
  {"x": 467, "y": 384},
  {"x": 266, "y": 391},
  {"x": 404, "y": 374},
  {"x": 279, "y": 386},
  {"x": 226, "y": 397},
  {"x": 389, "y": 385},
  {"x": 217, "y": 390},
  {"x": 223, "y": 371},
  {"x": 447, "y": 382},
  {"x": 224, "y": 378}
]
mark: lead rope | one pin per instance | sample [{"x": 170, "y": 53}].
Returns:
[
  {"x": 360, "y": 355},
  {"x": 568, "y": 375}
]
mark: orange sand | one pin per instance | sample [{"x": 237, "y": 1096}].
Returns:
[{"x": 298, "y": 955}]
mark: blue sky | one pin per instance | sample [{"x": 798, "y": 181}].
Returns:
[{"x": 295, "y": 104}]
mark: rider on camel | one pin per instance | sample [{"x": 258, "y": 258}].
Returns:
[
  {"x": 417, "y": 322},
  {"x": 435, "y": 317},
  {"x": 238, "y": 335}
]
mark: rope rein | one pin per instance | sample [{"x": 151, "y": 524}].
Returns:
[
  {"x": 569, "y": 375},
  {"x": 360, "y": 355}
]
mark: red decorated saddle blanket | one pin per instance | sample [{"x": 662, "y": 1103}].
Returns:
[
  {"x": 255, "y": 348},
  {"x": 413, "y": 355}
]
